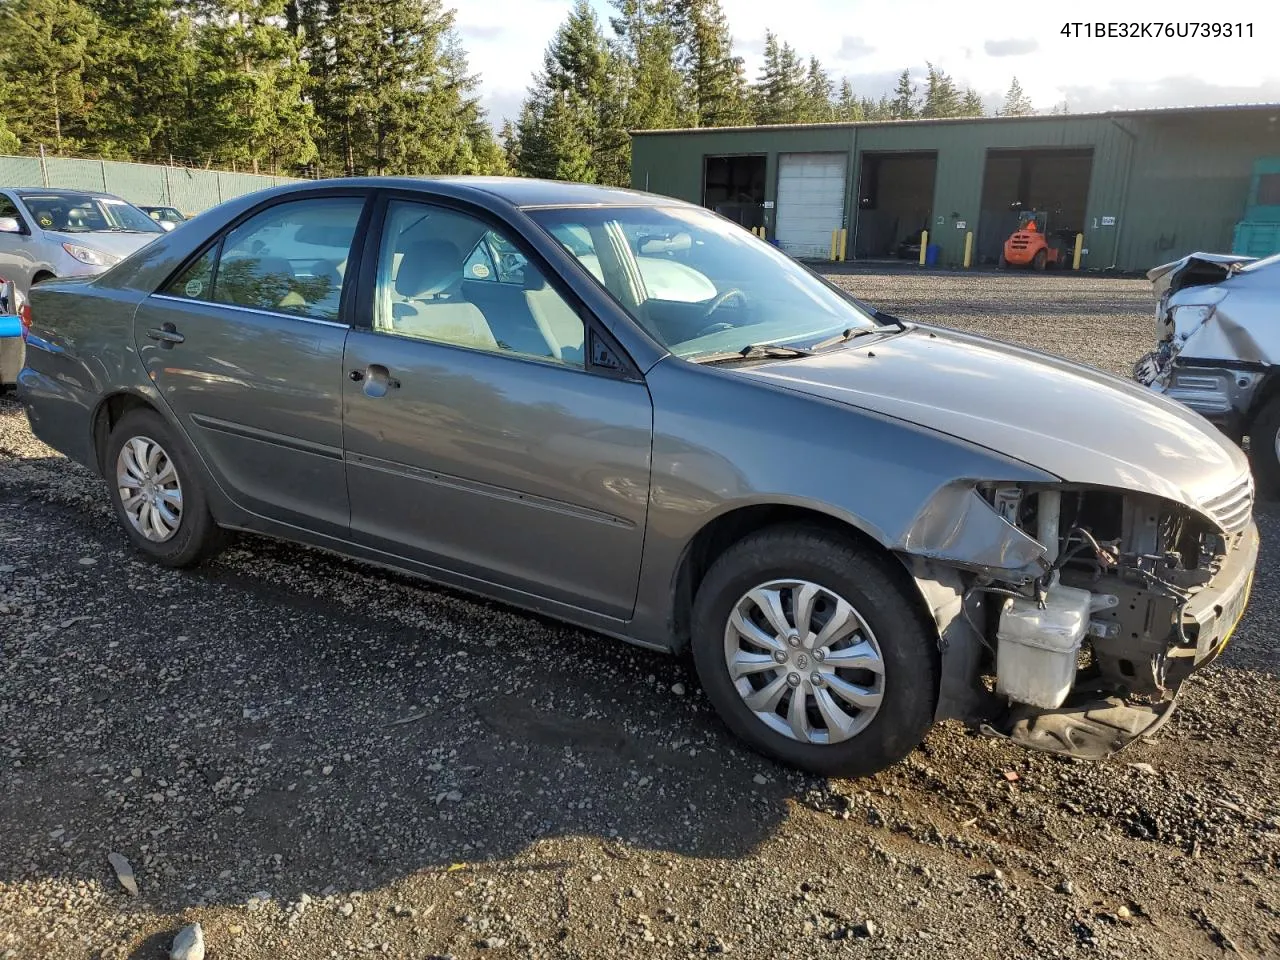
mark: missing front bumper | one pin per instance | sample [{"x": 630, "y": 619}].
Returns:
[
  {"x": 1090, "y": 726},
  {"x": 1089, "y": 730}
]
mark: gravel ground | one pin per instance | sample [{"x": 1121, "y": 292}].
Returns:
[{"x": 315, "y": 759}]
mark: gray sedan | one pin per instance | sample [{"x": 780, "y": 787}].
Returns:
[{"x": 631, "y": 414}]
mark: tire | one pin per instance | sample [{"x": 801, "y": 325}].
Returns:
[
  {"x": 1040, "y": 261},
  {"x": 191, "y": 535},
  {"x": 1002, "y": 263},
  {"x": 1264, "y": 437},
  {"x": 887, "y": 622}
]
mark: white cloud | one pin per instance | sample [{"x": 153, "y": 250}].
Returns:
[
  {"x": 1011, "y": 48},
  {"x": 853, "y": 48}
]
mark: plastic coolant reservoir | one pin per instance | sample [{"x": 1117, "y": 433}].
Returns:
[{"x": 1036, "y": 656}]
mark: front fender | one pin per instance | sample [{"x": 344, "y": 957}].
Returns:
[{"x": 752, "y": 444}]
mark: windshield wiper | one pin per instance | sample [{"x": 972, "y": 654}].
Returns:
[{"x": 752, "y": 351}]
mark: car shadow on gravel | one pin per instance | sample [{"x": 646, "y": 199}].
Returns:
[{"x": 286, "y": 721}]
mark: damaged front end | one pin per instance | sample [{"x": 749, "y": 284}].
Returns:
[
  {"x": 1069, "y": 616},
  {"x": 1215, "y": 335}
]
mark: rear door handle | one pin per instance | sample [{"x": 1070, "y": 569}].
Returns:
[{"x": 167, "y": 334}]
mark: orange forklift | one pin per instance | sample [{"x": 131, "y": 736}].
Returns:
[{"x": 1032, "y": 246}]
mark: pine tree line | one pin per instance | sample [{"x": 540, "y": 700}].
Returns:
[
  {"x": 333, "y": 87},
  {"x": 323, "y": 87},
  {"x": 671, "y": 64}
]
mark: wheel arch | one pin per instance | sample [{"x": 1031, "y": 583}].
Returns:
[
  {"x": 1266, "y": 391},
  {"x": 111, "y": 409},
  {"x": 727, "y": 528}
]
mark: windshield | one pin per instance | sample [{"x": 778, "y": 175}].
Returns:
[
  {"x": 699, "y": 283},
  {"x": 74, "y": 213}
]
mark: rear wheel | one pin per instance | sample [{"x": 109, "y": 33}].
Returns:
[
  {"x": 156, "y": 493},
  {"x": 1041, "y": 260},
  {"x": 814, "y": 653}
]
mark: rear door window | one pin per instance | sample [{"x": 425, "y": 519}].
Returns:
[{"x": 290, "y": 258}]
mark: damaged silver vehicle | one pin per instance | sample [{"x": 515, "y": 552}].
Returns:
[
  {"x": 631, "y": 414},
  {"x": 1218, "y": 348}
]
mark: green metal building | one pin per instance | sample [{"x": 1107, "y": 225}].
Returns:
[{"x": 1142, "y": 186}]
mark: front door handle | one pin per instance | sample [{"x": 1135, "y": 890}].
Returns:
[
  {"x": 167, "y": 334},
  {"x": 377, "y": 380}
]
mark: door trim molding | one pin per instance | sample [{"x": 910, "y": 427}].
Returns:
[
  {"x": 266, "y": 436},
  {"x": 487, "y": 490}
]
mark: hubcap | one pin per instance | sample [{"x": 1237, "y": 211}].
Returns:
[
  {"x": 805, "y": 661},
  {"x": 149, "y": 489}
]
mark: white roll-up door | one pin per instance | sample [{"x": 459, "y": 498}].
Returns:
[{"x": 810, "y": 202}]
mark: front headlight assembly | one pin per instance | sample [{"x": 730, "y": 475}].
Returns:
[{"x": 95, "y": 258}]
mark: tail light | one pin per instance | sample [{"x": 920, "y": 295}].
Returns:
[{"x": 24, "y": 316}]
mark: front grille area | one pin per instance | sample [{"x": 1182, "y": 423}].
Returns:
[{"x": 1233, "y": 508}]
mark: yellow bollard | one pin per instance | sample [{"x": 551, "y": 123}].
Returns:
[
  {"x": 835, "y": 234},
  {"x": 924, "y": 244},
  {"x": 844, "y": 239},
  {"x": 1075, "y": 257},
  {"x": 968, "y": 249}
]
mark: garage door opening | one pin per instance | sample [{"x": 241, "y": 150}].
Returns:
[
  {"x": 895, "y": 202},
  {"x": 811, "y": 198},
  {"x": 734, "y": 187},
  {"x": 1052, "y": 182}
]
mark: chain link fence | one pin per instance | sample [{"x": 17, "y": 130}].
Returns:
[{"x": 190, "y": 190}]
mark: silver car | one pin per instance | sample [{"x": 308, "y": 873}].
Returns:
[
  {"x": 48, "y": 233},
  {"x": 631, "y": 414},
  {"x": 1218, "y": 348}
]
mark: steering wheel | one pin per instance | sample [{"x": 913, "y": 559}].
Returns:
[{"x": 731, "y": 294}]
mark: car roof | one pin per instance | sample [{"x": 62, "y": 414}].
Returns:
[
  {"x": 60, "y": 191},
  {"x": 521, "y": 192}
]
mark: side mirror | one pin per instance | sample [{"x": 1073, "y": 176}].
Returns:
[{"x": 10, "y": 225}]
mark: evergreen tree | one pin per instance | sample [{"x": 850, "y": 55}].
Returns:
[
  {"x": 509, "y": 140},
  {"x": 904, "y": 104},
  {"x": 780, "y": 92},
  {"x": 249, "y": 84},
  {"x": 715, "y": 84},
  {"x": 392, "y": 90},
  {"x": 1016, "y": 102},
  {"x": 816, "y": 101},
  {"x": 848, "y": 108},
  {"x": 44, "y": 57},
  {"x": 648, "y": 40},
  {"x": 574, "y": 118},
  {"x": 971, "y": 105},
  {"x": 141, "y": 76},
  {"x": 941, "y": 98}
]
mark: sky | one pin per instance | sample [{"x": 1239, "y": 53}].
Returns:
[{"x": 870, "y": 42}]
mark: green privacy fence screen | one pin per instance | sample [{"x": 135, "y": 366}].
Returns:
[{"x": 190, "y": 190}]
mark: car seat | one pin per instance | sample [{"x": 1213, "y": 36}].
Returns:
[
  {"x": 426, "y": 299},
  {"x": 557, "y": 321}
]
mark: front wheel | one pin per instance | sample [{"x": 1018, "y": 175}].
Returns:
[
  {"x": 814, "y": 652},
  {"x": 157, "y": 494},
  {"x": 1040, "y": 261}
]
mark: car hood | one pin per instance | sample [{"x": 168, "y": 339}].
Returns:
[
  {"x": 116, "y": 244},
  {"x": 1070, "y": 420}
]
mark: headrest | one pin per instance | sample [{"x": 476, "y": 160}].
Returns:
[
  {"x": 533, "y": 278},
  {"x": 428, "y": 266}
]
